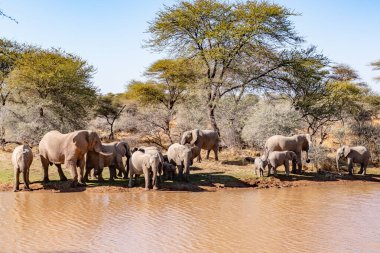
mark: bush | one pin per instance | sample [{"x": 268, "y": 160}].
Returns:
[{"x": 269, "y": 119}]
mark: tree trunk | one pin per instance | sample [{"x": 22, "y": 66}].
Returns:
[
  {"x": 211, "y": 116},
  {"x": 111, "y": 136}
]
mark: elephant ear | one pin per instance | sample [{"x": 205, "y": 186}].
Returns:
[
  {"x": 346, "y": 151},
  {"x": 91, "y": 138},
  {"x": 195, "y": 134},
  {"x": 125, "y": 149}
]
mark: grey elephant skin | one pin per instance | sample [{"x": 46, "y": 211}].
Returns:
[
  {"x": 296, "y": 143},
  {"x": 68, "y": 149},
  {"x": 358, "y": 154},
  {"x": 182, "y": 157},
  {"x": 278, "y": 158},
  {"x": 145, "y": 163},
  {"x": 155, "y": 151},
  {"x": 98, "y": 161},
  {"x": 260, "y": 164},
  {"x": 22, "y": 158},
  {"x": 204, "y": 139}
]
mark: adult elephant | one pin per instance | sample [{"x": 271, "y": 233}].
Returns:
[
  {"x": 182, "y": 157},
  {"x": 296, "y": 143},
  {"x": 68, "y": 149},
  {"x": 204, "y": 139},
  {"x": 358, "y": 154}
]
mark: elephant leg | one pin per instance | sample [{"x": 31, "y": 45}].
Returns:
[
  {"x": 72, "y": 165},
  {"x": 112, "y": 169},
  {"x": 208, "y": 154},
  {"x": 126, "y": 168},
  {"x": 350, "y": 166},
  {"x": 269, "y": 169},
  {"x": 25, "y": 178},
  {"x": 364, "y": 169},
  {"x": 361, "y": 169},
  {"x": 100, "y": 174},
  {"x": 275, "y": 171},
  {"x": 155, "y": 180},
  {"x": 294, "y": 167},
  {"x": 130, "y": 184},
  {"x": 45, "y": 167},
  {"x": 147, "y": 179},
  {"x": 81, "y": 164},
  {"x": 17, "y": 180},
  {"x": 87, "y": 173},
  {"x": 216, "y": 153},
  {"x": 199, "y": 159},
  {"x": 297, "y": 163},
  {"x": 180, "y": 172},
  {"x": 286, "y": 168},
  {"x": 122, "y": 172},
  {"x": 62, "y": 176}
]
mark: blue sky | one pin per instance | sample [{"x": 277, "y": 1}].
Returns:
[{"x": 110, "y": 33}]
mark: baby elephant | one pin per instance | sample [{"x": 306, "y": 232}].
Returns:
[
  {"x": 278, "y": 158},
  {"x": 168, "y": 171},
  {"x": 260, "y": 165},
  {"x": 22, "y": 158}
]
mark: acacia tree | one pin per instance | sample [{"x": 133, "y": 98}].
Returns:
[
  {"x": 9, "y": 53},
  {"x": 169, "y": 85},
  {"x": 220, "y": 35},
  {"x": 323, "y": 94},
  {"x": 51, "y": 89},
  {"x": 5, "y": 15},
  {"x": 376, "y": 66},
  {"x": 109, "y": 109}
]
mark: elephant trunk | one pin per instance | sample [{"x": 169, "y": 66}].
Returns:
[
  {"x": 183, "y": 141},
  {"x": 337, "y": 163},
  {"x": 307, "y": 157},
  {"x": 98, "y": 149}
]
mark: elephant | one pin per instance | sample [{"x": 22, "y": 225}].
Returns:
[
  {"x": 260, "y": 165},
  {"x": 97, "y": 161},
  {"x": 123, "y": 149},
  {"x": 154, "y": 150},
  {"x": 142, "y": 162},
  {"x": 22, "y": 158},
  {"x": 296, "y": 143},
  {"x": 195, "y": 151},
  {"x": 180, "y": 156},
  {"x": 69, "y": 149},
  {"x": 277, "y": 158},
  {"x": 358, "y": 154},
  {"x": 168, "y": 171},
  {"x": 204, "y": 139}
]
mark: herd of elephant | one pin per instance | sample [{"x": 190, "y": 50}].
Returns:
[{"x": 85, "y": 150}]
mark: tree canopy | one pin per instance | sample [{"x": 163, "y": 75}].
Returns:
[{"x": 224, "y": 36}]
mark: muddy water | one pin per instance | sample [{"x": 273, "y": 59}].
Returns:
[{"x": 312, "y": 219}]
